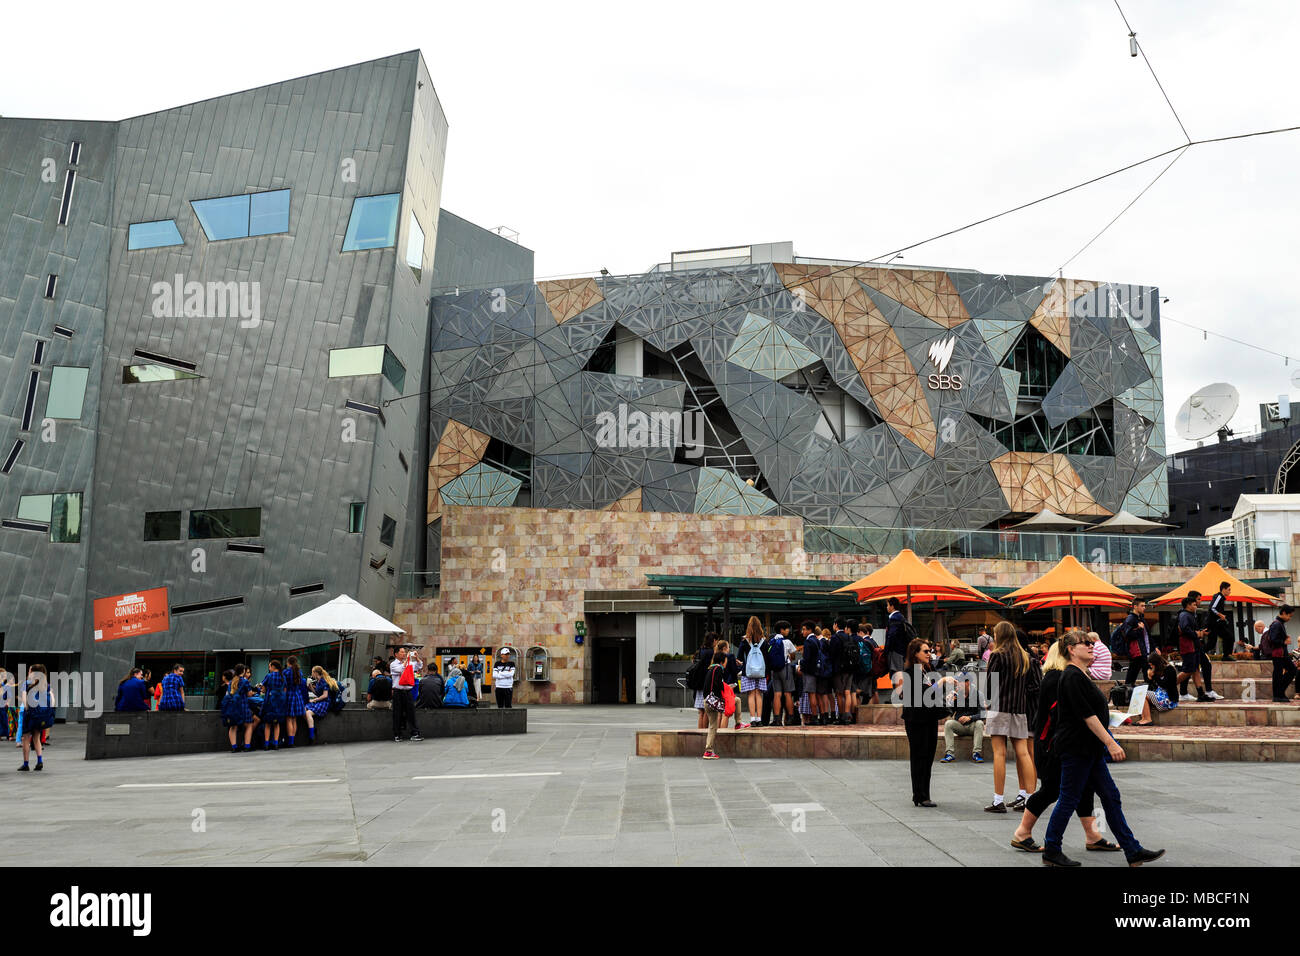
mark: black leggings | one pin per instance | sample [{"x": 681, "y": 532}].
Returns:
[
  {"x": 922, "y": 745},
  {"x": 1049, "y": 785},
  {"x": 504, "y": 696}
]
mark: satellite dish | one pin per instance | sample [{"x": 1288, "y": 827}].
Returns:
[{"x": 1207, "y": 411}]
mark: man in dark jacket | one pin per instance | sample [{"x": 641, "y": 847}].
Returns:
[
  {"x": 896, "y": 637},
  {"x": 431, "y": 689},
  {"x": 1139, "y": 641},
  {"x": 1220, "y": 622},
  {"x": 1189, "y": 644},
  {"x": 1275, "y": 644}
]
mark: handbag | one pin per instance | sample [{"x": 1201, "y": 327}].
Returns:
[
  {"x": 728, "y": 700},
  {"x": 407, "y": 679}
]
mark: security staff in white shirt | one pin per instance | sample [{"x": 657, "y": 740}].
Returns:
[{"x": 404, "y": 694}]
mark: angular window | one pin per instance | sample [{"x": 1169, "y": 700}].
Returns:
[
  {"x": 65, "y": 521},
  {"x": 74, "y": 153},
  {"x": 373, "y": 223},
  {"x": 367, "y": 360},
  {"x": 162, "y": 526},
  {"x": 238, "y": 217},
  {"x": 12, "y": 457},
  {"x": 65, "y": 332},
  {"x": 415, "y": 245},
  {"x": 387, "y": 531},
  {"x": 152, "y": 235},
  {"x": 29, "y": 406},
  {"x": 268, "y": 213},
  {"x": 137, "y": 374},
  {"x": 67, "y": 392},
  {"x": 226, "y": 523},
  {"x": 38, "y": 353},
  {"x": 394, "y": 370},
  {"x": 356, "y": 517},
  {"x": 65, "y": 206},
  {"x": 35, "y": 507},
  {"x": 51, "y": 285}
]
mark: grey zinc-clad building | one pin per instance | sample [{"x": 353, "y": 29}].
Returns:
[{"x": 197, "y": 401}]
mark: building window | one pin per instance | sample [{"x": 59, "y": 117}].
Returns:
[
  {"x": 162, "y": 526},
  {"x": 368, "y": 360},
  {"x": 29, "y": 406},
  {"x": 51, "y": 285},
  {"x": 61, "y": 512},
  {"x": 67, "y": 392},
  {"x": 12, "y": 457},
  {"x": 414, "y": 245},
  {"x": 373, "y": 223},
  {"x": 74, "y": 153},
  {"x": 65, "y": 205},
  {"x": 387, "y": 531},
  {"x": 152, "y": 235},
  {"x": 356, "y": 517},
  {"x": 226, "y": 523},
  {"x": 1039, "y": 362},
  {"x": 138, "y": 374},
  {"x": 238, "y": 217},
  {"x": 38, "y": 353}
]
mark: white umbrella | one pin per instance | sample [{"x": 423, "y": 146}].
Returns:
[
  {"x": 1048, "y": 520},
  {"x": 344, "y": 617},
  {"x": 1126, "y": 522}
]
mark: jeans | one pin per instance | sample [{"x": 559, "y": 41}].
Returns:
[
  {"x": 1137, "y": 667},
  {"x": 504, "y": 696},
  {"x": 922, "y": 744},
  {"x": 403, "y": 709},
  {"x": 1284, "y": 672},
  {"x": 1077, "y": 773},
  {"x": 952, "y": 729},
  {"x": 1049, "y": 786}
]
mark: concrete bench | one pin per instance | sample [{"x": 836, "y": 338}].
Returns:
[{"x": 144, "y": 734}]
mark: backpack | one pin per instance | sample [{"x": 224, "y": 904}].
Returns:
[
  {"x": 1119, "y": 639},
  {"x": 696, "y": 673},
  {"x": 455, "y": 695},
  {"x": 879, "y": 660},
  {"x": 909, "y": 630},
  {"x": 336, "y": 698},
  {"x": 1121, "y": 695},
  {"x": 824, "y": 663},
  {"x": 853, "y": 656},
  {"x": 776, "y": 653},
  {"x": 755, "y": 665}
]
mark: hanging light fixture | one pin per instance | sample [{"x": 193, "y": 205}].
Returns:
[{"x": 1132, "y": 44}]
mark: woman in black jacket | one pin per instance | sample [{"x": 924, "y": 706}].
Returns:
[
  {"x": 713, "y": 695},
  {"x": 1049, "y": 767},
  {"x": 922, "y": 709},
  {"x": 1082, "y": 743}
]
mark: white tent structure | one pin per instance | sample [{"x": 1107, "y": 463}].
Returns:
[
  {"x": 344, "y": 617},
  {"x": 1125, "y": 522},
  {"x": 1047, "y": 520}
]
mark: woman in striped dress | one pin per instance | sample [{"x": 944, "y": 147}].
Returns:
[
  {"x": 323, "y": 688},
  {"x": 274, "y": 705}
]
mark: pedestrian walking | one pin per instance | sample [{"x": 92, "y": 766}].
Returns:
[
  {"x": 1139, "y": 641},
  {"x": 1189, "y": 642},
  {"x": 1083, "y": 742},
  {"x": 1012, "y": 676},
  {"x": 403, "y": 670},
  {"x": 1220, "y": 621},
  {"x": 922, "y": 710},
  {"x": 503, "y": 680},
  {"x": 1274, "y": 644},
  {"x": 37, "y": 716},
  {"x": 1048, "y": 765},
  {"x": 714, "y": 700}
]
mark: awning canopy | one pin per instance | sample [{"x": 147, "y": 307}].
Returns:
[
  {"x": 907, "y": 578},
  {"x": 1125, "y": 522},
  {"x": 759, "y": 594},
  {"x": 1069, "y": 580},
  {"x": 1047, "y": 520},
  {"x": 1207, "y": 581},
  {"x": 342, "y": 616}
]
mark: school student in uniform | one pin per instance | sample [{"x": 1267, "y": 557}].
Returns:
[
  {"x": 275, "y": 705},
  {"x": 295, "y": 699},
  {"x": 37, "y": 705},
  {"x": 235, "y": 710}
]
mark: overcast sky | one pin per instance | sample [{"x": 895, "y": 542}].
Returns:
[{"x": 609, "y": 135}]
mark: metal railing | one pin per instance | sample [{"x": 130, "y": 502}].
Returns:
[{"x": 1029, "y": 546}]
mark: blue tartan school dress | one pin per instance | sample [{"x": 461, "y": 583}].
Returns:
[
  {"x": 235, "y": 711},
  {"x": 274, "y": 697},
  {"x": 295, "y": 693},
  {"x": 37, "y": 718},
  {"x": 322, "y": 706}
]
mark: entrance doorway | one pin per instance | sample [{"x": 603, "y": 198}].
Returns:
[{"x": 613, "y": 669}]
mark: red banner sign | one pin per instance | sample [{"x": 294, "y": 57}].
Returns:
[{"x": 130, "y": 615}]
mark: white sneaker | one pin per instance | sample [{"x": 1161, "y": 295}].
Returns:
[
  {"x": 1183, "y": 697},
  {"x": 1215, "y": 694}
]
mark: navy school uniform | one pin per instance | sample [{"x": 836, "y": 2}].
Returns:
[
  {"x": 274, "y": 697},
  {"x": 235, "y": 711},
  {"x": 321, "y": 707},
  {"x": 295, "y": 694}
]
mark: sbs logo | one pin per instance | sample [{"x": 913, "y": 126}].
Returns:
[{"x": 940, "y": 356}]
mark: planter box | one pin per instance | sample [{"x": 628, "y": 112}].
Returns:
[{"x": 668, "y": 692}]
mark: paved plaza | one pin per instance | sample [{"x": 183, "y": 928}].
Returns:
[{"x": 571, "y": 792}]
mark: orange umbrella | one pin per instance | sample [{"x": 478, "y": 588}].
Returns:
[
  {"x": 905, "y": 577},
  {"x": 1207, "y": 581},
  {"x": 1069, "y": 584}
]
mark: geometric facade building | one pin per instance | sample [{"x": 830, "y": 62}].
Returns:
[
  {"x": 215, "y": 331},
  {"x": 842, "y": 394}
]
